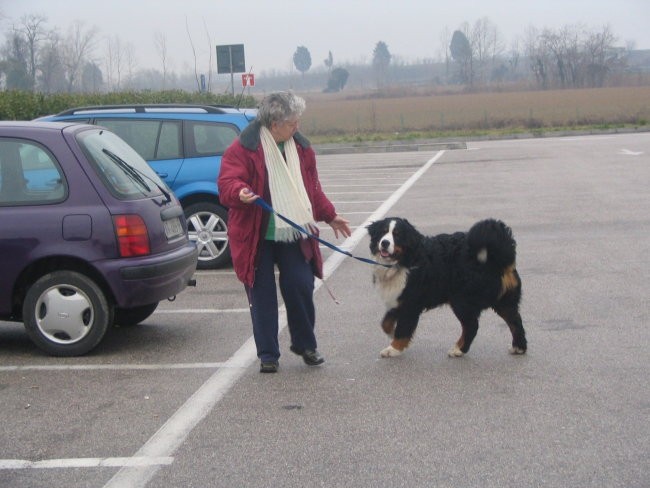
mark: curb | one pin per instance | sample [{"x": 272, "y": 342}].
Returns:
[{"x": 388, "y": 148}]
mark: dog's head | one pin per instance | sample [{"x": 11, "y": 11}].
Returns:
[{"x": 392, "y": 240}]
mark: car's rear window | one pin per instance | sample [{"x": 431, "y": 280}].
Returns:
[
  {"x": 121, "y": 168},
  {"x": 152, "y": 139},
  {"x": 29, "y": 174}
]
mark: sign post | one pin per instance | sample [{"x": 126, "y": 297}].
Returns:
[{"x": 230, "y": 59}]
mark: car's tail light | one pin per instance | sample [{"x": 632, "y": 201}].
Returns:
[{"x": 132, "y": 235}]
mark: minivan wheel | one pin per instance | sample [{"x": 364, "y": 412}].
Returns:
[
  {"x": 66, "y": 314},
  {"x": 207, "y": 226},
  {"x": 133, "y": 316}
]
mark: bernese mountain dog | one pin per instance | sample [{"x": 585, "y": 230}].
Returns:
[{"x": 470, "y": 271}]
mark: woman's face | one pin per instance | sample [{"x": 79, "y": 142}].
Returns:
[{"x": 283, "y": 131}]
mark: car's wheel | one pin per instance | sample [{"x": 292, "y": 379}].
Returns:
[
  {"x": 207, "y": 226},
  {"x": 133, "y": 316},
  {"x": 66, "y": 313}
]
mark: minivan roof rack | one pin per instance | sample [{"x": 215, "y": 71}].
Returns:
[{"x": 150, "y": 107}]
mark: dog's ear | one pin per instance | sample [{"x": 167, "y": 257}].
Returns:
[
  {"x": 373, "y": 226},
  {"x": 411, "y": 228},
  {"x": 412, "y": 238}
]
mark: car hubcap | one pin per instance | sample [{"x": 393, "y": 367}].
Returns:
[
  {"x": 209, "y": 233},
  {"x": 64, "y": 314}
]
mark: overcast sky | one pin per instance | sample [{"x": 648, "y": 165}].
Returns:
[{"x": 271, "y": 30}]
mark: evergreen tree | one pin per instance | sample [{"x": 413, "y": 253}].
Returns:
[{"x": 302, "y": 59}]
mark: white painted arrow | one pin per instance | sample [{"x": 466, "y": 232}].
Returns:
[{"x": 627, "y": 152}]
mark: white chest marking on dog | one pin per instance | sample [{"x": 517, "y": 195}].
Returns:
[
  {"x": 482, "y": 256},
  {"x": 390, "y": 283}
]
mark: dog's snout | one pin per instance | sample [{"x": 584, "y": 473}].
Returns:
[{"x": 385, "y": 243}]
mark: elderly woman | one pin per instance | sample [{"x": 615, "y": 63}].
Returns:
[{"x": 272, "y": 160}]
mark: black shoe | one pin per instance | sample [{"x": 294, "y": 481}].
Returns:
[
  {"x": 269, "y": 367},
  {"x": 311, "y": 357}
]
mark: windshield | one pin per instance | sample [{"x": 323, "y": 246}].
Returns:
[{"x": 123, "y": 170}]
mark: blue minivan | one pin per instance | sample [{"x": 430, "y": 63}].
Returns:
[{"x": 183, "y": 144}]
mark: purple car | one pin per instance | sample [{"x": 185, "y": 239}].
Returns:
[{"x": 90, "y": 236}]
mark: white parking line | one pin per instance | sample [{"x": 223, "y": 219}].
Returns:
[
  {"x": 137, "y": 470},
  {"x": 174, "y": 432},
  {"x": 85, "y": 463},
  {"x": 204, "y": 310},
  {"x": 113, "y": 367},
  {"x": 357, "y": 201}
]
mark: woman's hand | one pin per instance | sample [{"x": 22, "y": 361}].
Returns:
[
  {"x": 339, "y": 224},
  {"x": 247, "y": 196}
]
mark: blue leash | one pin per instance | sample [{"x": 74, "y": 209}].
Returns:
[{"x": 260, "y": 201}]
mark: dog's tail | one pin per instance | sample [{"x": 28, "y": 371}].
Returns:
[{"x": 490, "y": 241}]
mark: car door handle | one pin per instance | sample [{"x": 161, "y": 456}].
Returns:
[{"x": 162, "y": 175}]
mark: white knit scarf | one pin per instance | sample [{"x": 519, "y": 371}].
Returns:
[{"x": 288, "y": 194}]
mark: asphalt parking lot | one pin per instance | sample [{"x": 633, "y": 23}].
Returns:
[{"x": 178, "y": 401}]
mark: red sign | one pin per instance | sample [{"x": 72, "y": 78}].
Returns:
[{"x": 248, "y": 79}]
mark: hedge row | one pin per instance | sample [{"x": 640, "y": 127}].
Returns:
[{"x": 21, "y": 105}]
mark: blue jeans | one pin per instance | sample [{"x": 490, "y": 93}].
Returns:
[{"x": 296, "y": 281}]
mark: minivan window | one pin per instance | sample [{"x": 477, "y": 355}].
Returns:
[
  {"x": 123, "y": 170},
  {"x": 29, "y": 174},
  {"x": 209, "y": 139}
]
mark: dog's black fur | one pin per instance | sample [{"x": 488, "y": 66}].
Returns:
[{"x": 470, "y": 271}]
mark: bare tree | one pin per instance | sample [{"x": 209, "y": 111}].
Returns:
[
  {"x": 207, "y": 34},
  {"x": 115, "y": 60},
  {"x": 329, "y": 62},
  {"x": 52, "y": 77},
  {"x": 572, "y": 56},
  {"x": 161, "y": 46},
  {"x": 486, "y": 46},
  {"x": 130, "y": 62},
  {"x": 78, "y": 46},
  {"x": 537, "y": 56},
  {"x": 601, "y": 57},
  {"x": 196, "y": 73},
  {"x": 32, "y": 29}
]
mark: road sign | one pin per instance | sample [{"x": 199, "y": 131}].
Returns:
[
  {"x": 230, "y": 59},
  {"x": 248, "y": 79}
]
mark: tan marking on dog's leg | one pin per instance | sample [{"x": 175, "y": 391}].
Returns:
[
  {"x": 400, "y": 344},
  {"x": 456, "y": 352},
  {"x": 396, "y": 348},
  {"x": 509, "y": 280}
]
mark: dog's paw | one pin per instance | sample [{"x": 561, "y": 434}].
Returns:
[
  {"x": 390, "y": 352},
  {"x": 455, "y": 352},
  {"x": 516, "y": 350}
]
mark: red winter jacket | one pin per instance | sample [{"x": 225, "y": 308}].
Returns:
[{"x": 242, "y": 166}]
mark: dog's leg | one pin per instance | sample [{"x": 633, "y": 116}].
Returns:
[
  {"x": 469, "y": 324},
  {"x": 388, "y": 322},
  {"x": 510, "y": 313},
  {"x": 404, "y": 331}
]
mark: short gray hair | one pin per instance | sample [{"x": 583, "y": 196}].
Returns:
[{"x": 280, "y": 107}]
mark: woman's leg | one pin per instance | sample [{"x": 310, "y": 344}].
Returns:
[
  {"x": 263, "y": 302},
  {"x": 297, "y": 288}
]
